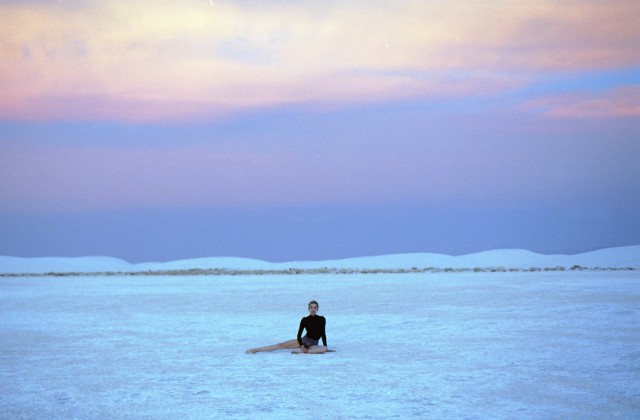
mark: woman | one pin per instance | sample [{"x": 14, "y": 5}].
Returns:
[{"x": 315, "y": 326}]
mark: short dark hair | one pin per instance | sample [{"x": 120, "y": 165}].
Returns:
[{"x": 313, "y": 301}]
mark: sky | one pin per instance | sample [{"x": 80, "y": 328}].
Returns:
[{"x": 163, "y": 130}]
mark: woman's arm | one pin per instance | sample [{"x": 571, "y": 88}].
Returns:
[
  {"x": 324, "y": 335},
  {"x": 299, "y": 337}
]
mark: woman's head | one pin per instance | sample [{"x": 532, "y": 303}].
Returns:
[{"x": 313, "y": 307}]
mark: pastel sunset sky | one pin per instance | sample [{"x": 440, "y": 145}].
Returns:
[{"x": 161, "y": 130}]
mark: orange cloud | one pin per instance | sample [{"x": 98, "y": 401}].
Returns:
[{"x": 142, "y": 61}]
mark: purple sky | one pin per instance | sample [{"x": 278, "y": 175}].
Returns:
[{"x": 297, "y": 132}]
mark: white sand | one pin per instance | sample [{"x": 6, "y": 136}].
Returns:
[
  {"x": 619, "y": 257},
  {"x": 500, "y": 345}
]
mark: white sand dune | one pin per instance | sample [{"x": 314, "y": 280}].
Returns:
[
  {"x": 619, "y": 257},
  {"x": 18, "y": 265}
]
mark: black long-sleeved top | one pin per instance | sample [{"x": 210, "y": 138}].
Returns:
[{"x": 315, "y": 328}]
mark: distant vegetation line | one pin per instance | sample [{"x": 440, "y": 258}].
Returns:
[{"x": 298, "y": 271}]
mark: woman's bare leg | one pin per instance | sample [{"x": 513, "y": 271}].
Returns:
[
  {"x": 317, "y": 349},
  {"x": 290, "y": 344},
  {"x": 313, "y": 350}
]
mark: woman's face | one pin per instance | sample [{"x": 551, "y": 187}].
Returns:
[{"x": 313, "y": 308}]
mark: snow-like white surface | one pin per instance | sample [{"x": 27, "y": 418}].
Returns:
[
  {"x": 620, "y": 257},
  {"x": 16, "y": 265},
  {"x": 448, "y": 345}
]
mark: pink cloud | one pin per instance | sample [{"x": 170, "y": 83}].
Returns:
[
  {"x": 137, "y": 61},
  {"x": 619, "y": 102}
]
